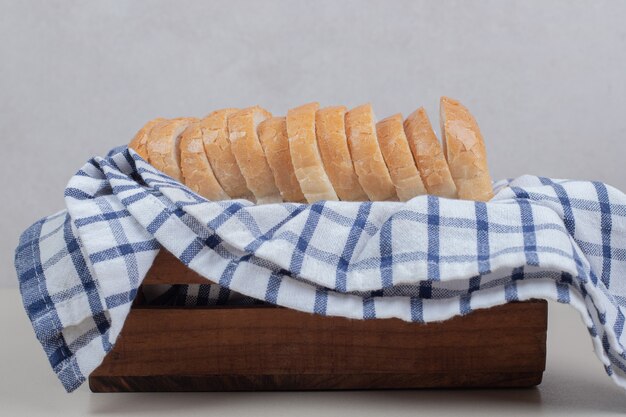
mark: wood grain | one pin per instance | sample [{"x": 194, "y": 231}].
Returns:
[
  {"x": 272, "y": 348},
  {"x": 216, "y": 349}
]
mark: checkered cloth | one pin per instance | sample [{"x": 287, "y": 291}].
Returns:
[{"x": 425, "y": 260}]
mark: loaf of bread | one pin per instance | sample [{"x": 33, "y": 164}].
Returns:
[{"x": 316, "y": 154}]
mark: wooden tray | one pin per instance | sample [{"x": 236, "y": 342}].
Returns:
[{"x": 273, "y": 348}]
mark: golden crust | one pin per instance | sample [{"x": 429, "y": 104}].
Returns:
[
  {"x": 397, "y": 154},
  {"x": 273, "y": 136},
  {"x": 140, "y": 142},
  {"x": 196, "y": 169},
  {"x": 326, "y": 154},
  {"x": 245, "y": 144},
  {"x": 465, "y": 151},
  {"x": 427, "y": 152},
  {"x": 330, "y": 128},
  {"x": 218, "y": 150},
  {"x": 164, "y": 146},
  {"x": 367, "y": 157},
  {"x": 305, "y": 155}
]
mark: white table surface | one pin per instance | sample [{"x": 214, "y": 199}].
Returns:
[{"x": 574, "y": 384}]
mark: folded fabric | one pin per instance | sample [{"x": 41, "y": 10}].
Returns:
[{"x": 425, "y": 260}]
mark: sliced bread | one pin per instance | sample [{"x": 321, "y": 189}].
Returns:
[
  {"x": 245, "y": 144},
  {"x": 367, "y": 157},
  {"x": 464, "y": 149},
  {"x": 330, "y": 129},
  {"x": 397, "y": 154},
  {"x": 164, "y": 146},
  {"x": 305, "y": 154},
  {"x": 428, "y": 155},
  {"x": 273, "y": 136},
  {"x": 197, "y": 172}
]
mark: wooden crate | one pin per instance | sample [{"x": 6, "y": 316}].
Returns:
[{"x": 273, "y": 348}]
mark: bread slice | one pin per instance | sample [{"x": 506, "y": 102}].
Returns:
[
  {"x": 220, "y": 155},
  {"x": 305, "y": 154},
  {"x": 464, "y": 149},
  {"x": 164, "y": 146},
  {"x": 368, "y": 160},
  {"x": 273, "y": 136},
  {"x": 245, "y": 144},
  {"x": 140, "y": 142},
  {"x": 195, "y": 166},
  {"x": 427, "y": 152},
  {"x": 330, "y": 129},
  {"x": 397, "y": 154}
]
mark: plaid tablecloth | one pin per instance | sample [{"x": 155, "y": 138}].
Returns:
[{"x": 425, "y": 260}]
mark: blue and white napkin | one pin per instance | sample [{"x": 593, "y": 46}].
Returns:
[{"x": 425, "y": 260}]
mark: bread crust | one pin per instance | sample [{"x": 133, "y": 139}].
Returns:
[
  {"x": 164, "y": 146},
  {"x": 431, "y": 162},
  {"x": 330, "y": 130},
  {"x": 195, "y": 167},
  {"x": 305, "y": 154},
  {"x": 465, "y": 151},
  {"x": 220, "y": 155},
  {"x": 245, "y": 144},
  {"x": 367, "y": 157},
  {"x": 273, "y": 137},
  {"x": 395, "y": 149},
  {"x": 139, "y": 143}
]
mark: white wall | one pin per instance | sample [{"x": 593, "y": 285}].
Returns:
[{"x": 544, "y": 79}]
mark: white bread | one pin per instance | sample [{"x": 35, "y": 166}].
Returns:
[
  {"x": 305, "y": 155},
  {"x": 164, "y": 146},
  {"x": 397, "y": 154},
  {"x": 368, "y": 160},
  {"x": 326, "y": 154},
  {"x": 428, "y": 155},
  {"x": 465, "y": 152},
  {"x": 273, "y": 136},
  {"x": 220, "y": 155},
  {"x": 245, "y": 144},
  {"x": 330, "y": 128},
  {"x": 140, "y": 141},
  {"x": 195, "y": 166}
]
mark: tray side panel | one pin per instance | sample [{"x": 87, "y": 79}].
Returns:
[{"x": 183, "y": 349}]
